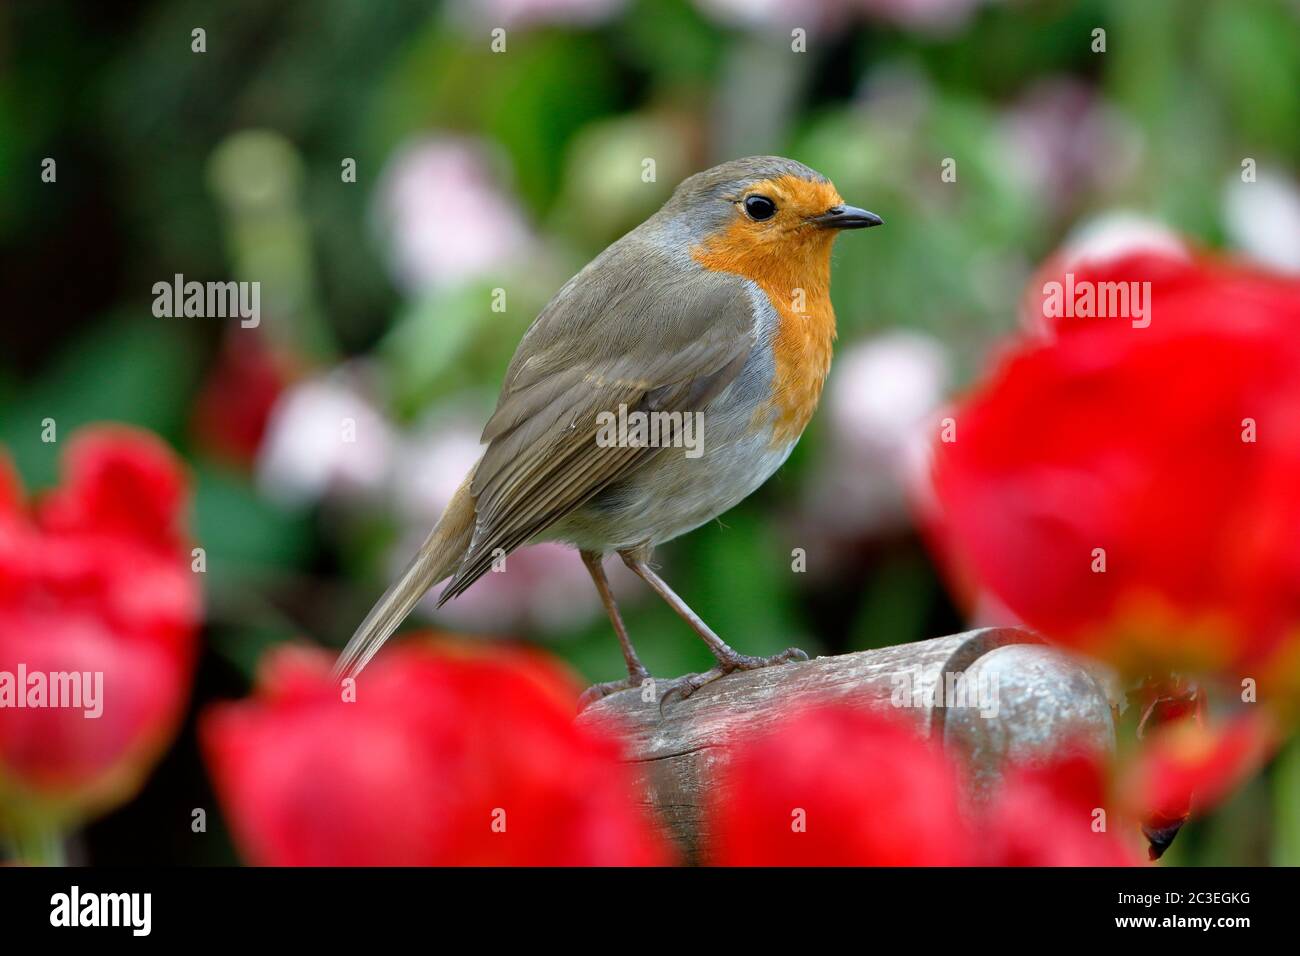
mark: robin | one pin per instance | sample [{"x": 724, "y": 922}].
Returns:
[{"x": 715, "y": 311}]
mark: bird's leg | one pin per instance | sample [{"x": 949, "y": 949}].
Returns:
[
  {"x": 636, "y": 671},
  {"x": 729, "y": 659}
]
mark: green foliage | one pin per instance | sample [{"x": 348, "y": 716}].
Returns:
[{"x": 125, "y": 370}]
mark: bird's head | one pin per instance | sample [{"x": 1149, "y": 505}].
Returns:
[{"x": 760, "y": 215}]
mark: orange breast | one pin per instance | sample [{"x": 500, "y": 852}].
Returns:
[{"x": 794, "y": 271}]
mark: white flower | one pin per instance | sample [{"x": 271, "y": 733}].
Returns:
[
  {"x": 1092, "y": 243},
  {"x": 883, "y": 387},
  {"x": 777, "y": 15},
  {"x": 324, "y": 438},
  {"x": 1263, "y": 219},
  {"x": 1119, "y": 233}
]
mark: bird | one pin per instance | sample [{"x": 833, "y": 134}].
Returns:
[{"x": 715, "y": 311}]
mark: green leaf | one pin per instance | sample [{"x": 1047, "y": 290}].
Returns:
[
  {"x": 895, "y": 608},
  {"x": 1286, "y": 806},
  {"x": 739, "y": 583},
  {"x": 135, "y": 371},
  {"x": 428, "y": 337},
  {"x": 242, "y": 533}
]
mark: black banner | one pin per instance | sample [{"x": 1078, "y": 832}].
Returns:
[{"x": 212, "y": 905}]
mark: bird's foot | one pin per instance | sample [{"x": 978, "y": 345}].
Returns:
[
  {"x": 684, "y": 687},
  {"x": 746, "y": 662},
  {"x": 652, "y": 691},
  {"x": 688, "y": 684},
  {"x": 597, "y": 691}
]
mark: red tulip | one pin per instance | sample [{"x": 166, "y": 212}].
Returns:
[
  {"x": 95, "y": 579},
  {"x": 838, "y": 786},
  {"x": 1133, "y": 489},
  {"x": 446, "y": 756},
  {"x": 1057, "y": 813},
  {"x": 1189, "y": 764}
]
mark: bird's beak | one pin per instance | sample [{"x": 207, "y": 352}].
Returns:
[{"x": 847, "y": 217}]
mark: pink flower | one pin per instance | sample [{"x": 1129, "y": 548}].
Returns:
[
  {"x": 443, "y": 216},
  {"x": 520, "y": 13},
  {"x": 881, "y": 397},
  {"x": 927, "y": 16},
  {"x": 1066, "y": 142}
]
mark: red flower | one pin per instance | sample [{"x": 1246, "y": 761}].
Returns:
[
  {"x": 446, "y": 757},
  {"x": 1056, "y": 813},
  {"x": 232, "y": 411},
  {"x": 1133, "y": 490},
  {"x": 838, "y": 786},
  {"x": 94, "y": 580},
  {"x": 1187, "y": 765}
]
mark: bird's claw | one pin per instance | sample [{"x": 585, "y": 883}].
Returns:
[
  {"x": 686, "y": 686},
  {"x": 597, "y": 691},
  {"x": 747, "y": 662}
]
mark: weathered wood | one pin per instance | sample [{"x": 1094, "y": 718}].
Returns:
[{"x": 1034, "y": 697}]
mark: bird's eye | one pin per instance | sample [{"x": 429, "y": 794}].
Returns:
[{"x": 759, "y": 208}]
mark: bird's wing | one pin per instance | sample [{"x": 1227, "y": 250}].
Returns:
[{"x": 635, "y": 328}]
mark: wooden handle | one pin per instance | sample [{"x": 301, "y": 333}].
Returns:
[{"x": 987, "y": 695}]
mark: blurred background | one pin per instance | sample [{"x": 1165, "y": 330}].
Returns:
[{"x": 478, "y": 171}]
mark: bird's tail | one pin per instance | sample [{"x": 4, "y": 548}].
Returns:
[{"x": 437, "y": 558}]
